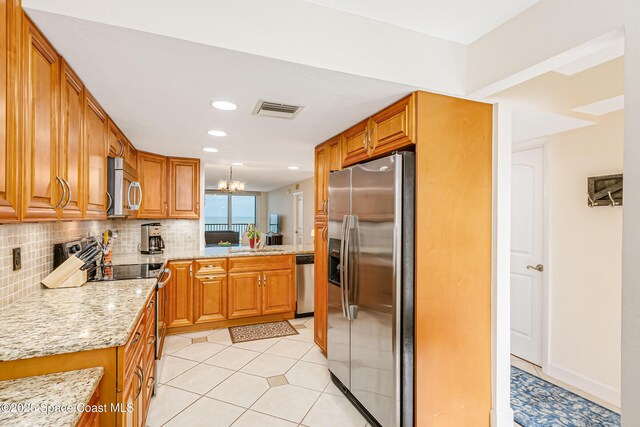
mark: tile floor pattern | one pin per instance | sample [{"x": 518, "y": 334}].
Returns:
[
  {"x": 537, "y": 371},
  {"x": 276, "y": 382}
]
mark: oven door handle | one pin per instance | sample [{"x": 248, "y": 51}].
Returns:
[{"x": 164, "y": 282}]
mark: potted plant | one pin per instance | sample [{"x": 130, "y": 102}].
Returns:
[{"x": 254, "y": 237}]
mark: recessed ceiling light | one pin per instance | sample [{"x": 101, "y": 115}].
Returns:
[
  {"x": 293, "y": 167},
  {"x": 210, "y": 149},
  {"x": 224, "y": 105},
  {"x": 237, "y": 164},
  {"x": 217, "y": 133}
]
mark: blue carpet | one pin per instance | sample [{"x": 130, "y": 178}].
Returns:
[{"x": 538, "y": 403}]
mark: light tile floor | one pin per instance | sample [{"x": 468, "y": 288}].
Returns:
[
  {"x": 537, "y": 371},
  {"x": 277, "y": 382}
]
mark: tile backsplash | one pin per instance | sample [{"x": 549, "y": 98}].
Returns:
[
  {"x": 36, "y": 242},
  {"x": 178, "y": 234}
]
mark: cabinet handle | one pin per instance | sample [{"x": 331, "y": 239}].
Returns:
[
  {"x": 265, "y": 279},
  {"x": 364, "y": 140},
  {"x": 136, "y": 338},
  {"x": 150, "y": 382},
  {"x": 165, "y": 207},
  {"x": 140, "y": 376},
  {"x": 66, "y": 183},
  {"x": 64, "y": 192},
  {"x": 370, "y": 144},
  {"x": 325, "y": 206},
  {"x": 123, "y": 149},
  {"x": 325, "y": 233},
  {"x": 110, "y": 201},
  {"x": 197, "y": 207},
  {"x": 152, "y": 339}
]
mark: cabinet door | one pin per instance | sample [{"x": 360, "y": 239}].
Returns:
[
  {"x": 244, "y": 295},
  {"x": 132, "y": 398},
  {"x": 180, "y": 294},
  {"x": 334, "y": 157},
  {"x": 184, "y": 188},
  {"x": 152, "y": 173},
  {"x": 41, "y": 188},
  {"x": 321, "y": 181},
  {"x": 278, "y": 291},
  {"x": 70, "y": 159},
  {"x": 356, "y": 144},
  {"x": 95, "y": 159},
  {"x": 320, "y": 286},
  {"x": 117, "y": 145},
  {"x": 394, "y": 127},
  {"x": 9, "y": 147},
  {"x": 131, "y": 156},
  {"x": 210, "y": 298}
]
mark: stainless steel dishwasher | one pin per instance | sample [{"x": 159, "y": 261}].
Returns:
[{"x": 304, "y": 285}]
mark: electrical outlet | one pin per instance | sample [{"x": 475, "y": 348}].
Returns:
[{"x": 17, "y": 259}]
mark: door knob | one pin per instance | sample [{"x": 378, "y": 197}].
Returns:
[{"x": 538, "y": 267}]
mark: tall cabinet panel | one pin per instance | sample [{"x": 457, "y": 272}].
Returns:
[
  {"x": 152, "y": 173},
  {"x": 70, "y": 163},
  {"x": 95, "y": 158},
  {"x": 42, "y": 189},
  {"x": 184, "y": 188},
  {"x": 9, "y": 37}
]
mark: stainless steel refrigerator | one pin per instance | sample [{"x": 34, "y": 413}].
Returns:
[{"x": 371, "y": 287}]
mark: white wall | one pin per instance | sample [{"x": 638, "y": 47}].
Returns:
[
  {"x": 584, "y": 275},
  {"x": 631, "y": 226},
  {"x": 280, "y": 201}
]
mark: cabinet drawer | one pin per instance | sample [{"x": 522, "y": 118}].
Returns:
[
  {"x": 207, "y": 267},
  {"x": 134, "y": 346},
  {"x": 261, "y": 263}
]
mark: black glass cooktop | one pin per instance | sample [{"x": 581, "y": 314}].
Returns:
[{"x": 126, "y": 272}]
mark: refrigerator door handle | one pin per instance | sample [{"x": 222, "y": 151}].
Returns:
[
  {"x": 343, "y": 263},
  {"x": 353, "y": 280}
]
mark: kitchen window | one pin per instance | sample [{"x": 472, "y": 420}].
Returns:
[{"x": 229, "y": 211}]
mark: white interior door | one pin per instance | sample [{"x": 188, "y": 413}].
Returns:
[
  {"x": 526, "y": 253},
  {"x": 298, "y": 231}
]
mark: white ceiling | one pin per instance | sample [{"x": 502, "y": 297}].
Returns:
[
  {"x": 158, "y": 90},
  {"x": 461, "y": 21},
  {"x": 530, "y": 124}
]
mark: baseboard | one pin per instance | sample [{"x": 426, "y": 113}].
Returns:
[
  {"x": 588, "y": 385},
  {"x": 503, "y": 418}
]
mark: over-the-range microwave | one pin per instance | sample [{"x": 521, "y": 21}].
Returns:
[{"x": 124, "y": 193}]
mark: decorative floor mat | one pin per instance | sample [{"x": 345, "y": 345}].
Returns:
[
  {"x": 538, "y": 403},
  {"x": 261, "y": 331}
]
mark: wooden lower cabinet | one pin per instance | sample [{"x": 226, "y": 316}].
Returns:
[
  {"x": 180, "y": 294},
  {"x": 278, "y": 292},
  {"x": 244, "y": 294},
  {"x": 210, "y": 297},
  {"x": 91, "y": 419},
  {"x": 320, "y": 287}
]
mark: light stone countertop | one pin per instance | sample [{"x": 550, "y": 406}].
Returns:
[
  {"x": 210, "y": 252},
  {"x": 39, "y": 393},
  {"x": 57, "y": 321}
]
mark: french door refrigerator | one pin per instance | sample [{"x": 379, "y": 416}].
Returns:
[{"x": 371, "y": 288}]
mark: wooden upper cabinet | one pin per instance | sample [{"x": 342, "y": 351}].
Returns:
[
  {"x": 394, "y": 127},
  {"x": 321, "y": 181},
  {"x": 9, "y": 36},
  {"x": 95, "y": 159},
  {"x": 118, "y": 145},
  {"x": 245, "y": 295},
  {"x": 278, "y": 291},
  {"x": 184, "y": 188},
  {"x": 320, "y": 287},
  {"x": 152, "y": 174},
  {"x": 131, "y": 156},
  {"x": 210, "y": 298},
  {"x": 70, "y": 150},
  {"x": 334, "y": 156},
  {"x": 356, "y": 143},
  {"x": 180, "y": 294},
  {"x": 42, "y": 190}
]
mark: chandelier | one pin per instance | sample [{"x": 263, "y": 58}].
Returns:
[{"x": 230, "y": 186}]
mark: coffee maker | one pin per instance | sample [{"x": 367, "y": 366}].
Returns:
[{"x": 151, "y": 238}]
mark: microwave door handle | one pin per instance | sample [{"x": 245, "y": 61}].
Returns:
[
  {"x": 139, "y": 187},
  {"x": 131, "y": 204},
  {"x": 343, "y": 265}
]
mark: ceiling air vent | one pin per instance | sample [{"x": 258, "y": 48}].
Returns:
[{"x": 275, "y": 109}]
